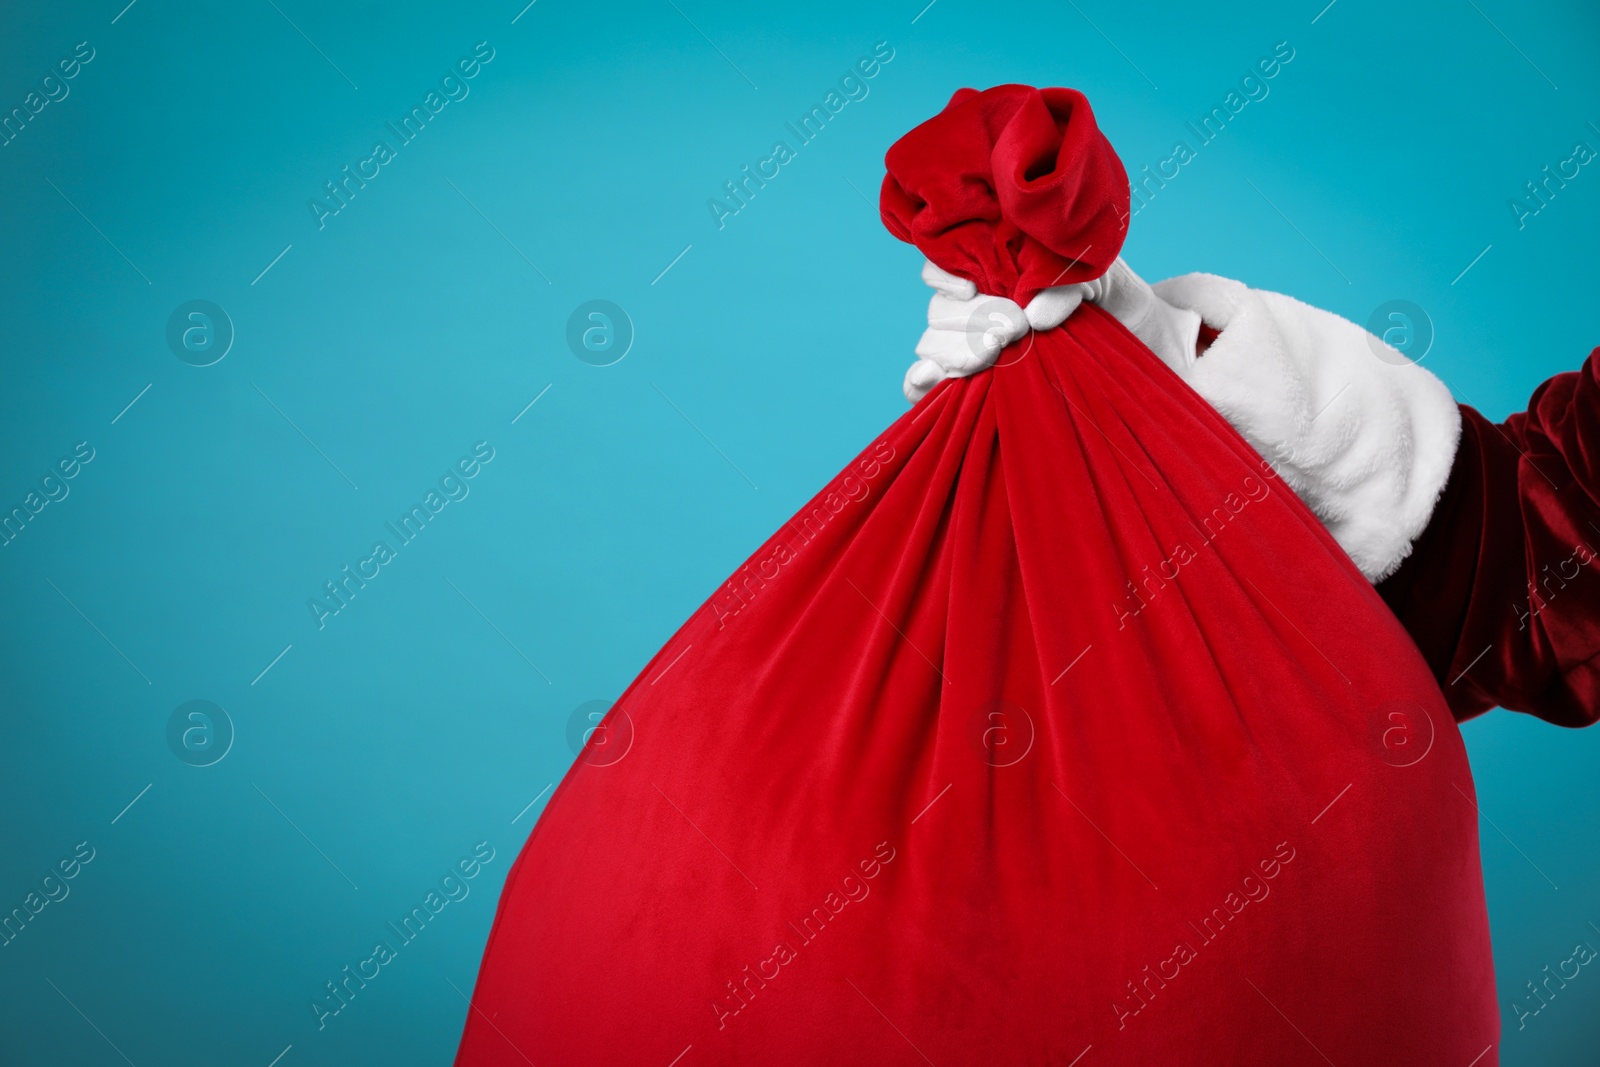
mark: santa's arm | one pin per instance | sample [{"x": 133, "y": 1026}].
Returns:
[
  {"x": 1482, "y": 538},
  {"x": 1502, "y": 589}
]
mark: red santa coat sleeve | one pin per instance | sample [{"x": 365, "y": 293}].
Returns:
[{"x": 1502, "y": 590}]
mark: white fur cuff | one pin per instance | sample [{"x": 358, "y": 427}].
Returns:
[{"x": 1366, "y": 442}]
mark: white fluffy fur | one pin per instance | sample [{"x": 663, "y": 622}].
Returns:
[{"x": 1367, "y": 444}]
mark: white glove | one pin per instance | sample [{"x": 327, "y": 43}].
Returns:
[
  {"x": 967, "y": 330},
  {"x": 1170, "y": 332},
  {"x": 1363, "y": 436}
]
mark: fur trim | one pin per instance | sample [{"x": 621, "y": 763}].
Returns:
[{"x": 1366, "y": 442}]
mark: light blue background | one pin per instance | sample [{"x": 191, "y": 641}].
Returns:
[{"x": 406, "y": 330}]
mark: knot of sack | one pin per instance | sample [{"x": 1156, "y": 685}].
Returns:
[
  {"x": 1013, "y": 188},
  {"x": 998, "y": 320}
]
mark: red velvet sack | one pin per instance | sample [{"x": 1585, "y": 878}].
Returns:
[{"x": 1055, "y": 730}]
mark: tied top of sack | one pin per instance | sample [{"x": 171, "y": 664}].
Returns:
[{"x": 1013, "y": 188}]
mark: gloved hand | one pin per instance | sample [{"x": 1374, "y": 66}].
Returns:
[
  {"x": 967, "y": 330},
  {"x": 1170, "y": 332},
  {"x": 1362, "y": 435}
]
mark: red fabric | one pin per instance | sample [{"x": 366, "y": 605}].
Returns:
[
  {"x": 1054, "y": 722},
  {"x": 1016, "y": 185},
  {"x": 1501, "y": 591}
]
